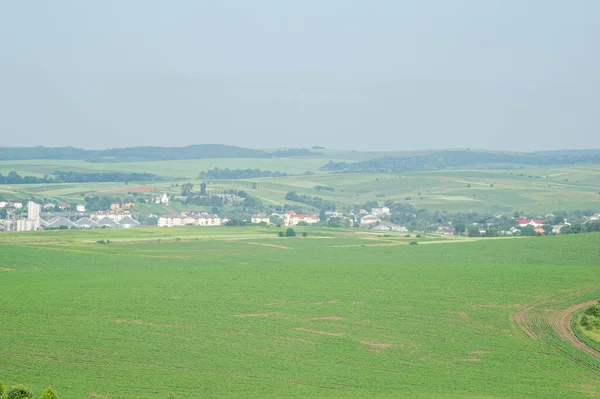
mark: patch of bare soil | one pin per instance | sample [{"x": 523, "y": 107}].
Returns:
[
  {"x": 471, "y": 359},
  {"x": 320, "y": 332},
  {"x": 374, "y": 344},
  {"x": 561, "y": 323},
  {"x": 328, "y": 318},
  {"x": 5, "y": 269},
  {"x": 259, "y": 244},
  {"x": 250, "y": 315},
  {"x": 520, "y": 318},
  {"x": 463, "y": 315},
  {"x": 140, "y": 323}
]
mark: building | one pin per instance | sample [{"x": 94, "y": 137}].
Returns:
[
  {"x": 33, "y": 211},
  {"x": 380, "y": 211},
  {"x": 256, "y": 219},
  {"x": 3, "y": 204},
  {"x": 17, "y": 205},
  {"x": 527, "y": 222},
  {"x": 115, "y": 206},
  {"x": 107, "y": 223},
  {"x": 293, "y": 218},
  {"x": 128, "y": 204},
  {"x": 127, "y": 222},
  {"x": 190, "y": 219},
  {"x": 115, "y": 215},
  {"x": 86, "y": 223},
  {"x": 59, "y": 222},
  {"x": 80, "y": 208},
  {"x": 369, "y": 220},
  {"x": 33, "y": 220}
]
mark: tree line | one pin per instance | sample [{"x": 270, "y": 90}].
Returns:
[
  {"x": 227, "y": 173},
  {"x": 457, "y": 159},
  {"x": 23, "y": 392},
  {"x": 77, "y": 177}
]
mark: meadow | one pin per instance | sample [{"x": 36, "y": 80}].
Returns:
[
  {"x": 228, "y": 312},
  {"x": 538, "y": 190}
]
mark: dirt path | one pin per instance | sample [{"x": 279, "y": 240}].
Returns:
[{"x": 561, "y": 323}]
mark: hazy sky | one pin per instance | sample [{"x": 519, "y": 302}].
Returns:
[{"x": 376, "y": 75}]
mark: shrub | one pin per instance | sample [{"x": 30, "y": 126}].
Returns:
[
  {"x": 418, "y": 236},
  {"x": 413, "y": 243},
  {"x": 305, "y": 234},
  {"x": 290, "y": 232},
  {"x": 19, "y": 392},
  {"x": 281, "y": 234},
  {"x": 101, "y": 242},
  {"x": 588, "y": 322},
  {"x": 108, "y": 241},
  {"x": 2, "y": 389},
  {"x": 49, "y": 394},
  {"x": 177, "y": 239}
]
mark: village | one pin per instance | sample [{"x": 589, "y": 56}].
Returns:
[{"x": 20, "y": 216}]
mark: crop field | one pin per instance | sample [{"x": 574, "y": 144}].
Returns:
[
  {"x": 240, "y": 312},
  {"x": 534, "y": 190}
]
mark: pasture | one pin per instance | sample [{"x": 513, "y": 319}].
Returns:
[
  {"x": 533, "y": 190},
  {"x": 228, "y": 312}
]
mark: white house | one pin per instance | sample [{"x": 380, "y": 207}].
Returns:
[
  {"x": 17, "y": 205},
  {"x": 369, "y": 220},
  {"x": 381, "y": 211},
  {"x": 3, "y": 204},
  {"x": 256, "y": 219},
  {"x": 80, "y": 208},
  {"x": 293, "y": 218},
  {"x": 190, "y": 219}
]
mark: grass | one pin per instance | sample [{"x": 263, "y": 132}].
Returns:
[
  {"x": 536, "y": 190},
  {"x": 227, "y": 312}
]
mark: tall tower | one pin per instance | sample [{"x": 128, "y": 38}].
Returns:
[{"x": 33, "y": 211}]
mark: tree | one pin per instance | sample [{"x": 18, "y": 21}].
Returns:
[
  {"x": 281, "y": 234},
  {"x": 49, "y": 394},
  {"x": 473, "y": 232},
  {"x": 528, "y": 231},
  {"x": 460, "y": 228},
  {"x": 290, "y": 232},
  {"x": 186, "y": 189},
  {"x": 305, "y": 234},
  {"x": 3, "y": 213},
  {"x": 202, "y": 188},
  {"x": 19, "y": 392}
]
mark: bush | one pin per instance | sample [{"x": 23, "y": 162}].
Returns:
[
  {"x": 281, "y": 234},
  {"x": 101, "y": 242},
  {"x": 305, "y": 234},
  {"x": 413, "y": 243},
  {"x": 2, "y": 389},
  {"x": 49, "y": 394},
  {"x": 290, "y": 232},
  {"x": 19, "y": 392},
  {"x": 418, "y": 236}
]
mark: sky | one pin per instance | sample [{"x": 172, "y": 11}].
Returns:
[{"x": 361, "y": 75}]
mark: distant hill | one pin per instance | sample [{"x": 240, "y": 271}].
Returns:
[
  {"x": 131, "y": 154},
  {"x": 464, "y": 159}
]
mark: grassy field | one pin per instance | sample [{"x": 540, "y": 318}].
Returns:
[
  {"x": 229, "y": 312},
  {"x": 535, "y": 190}
]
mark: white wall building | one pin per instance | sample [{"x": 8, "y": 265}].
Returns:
[
  {"x": 293, "y": 218},
  {"x": 256, "y": 219},
  {"x": 381, "y": 211},
  {"x": 80, "y": 208},
  {"x": 190, "y": 219}
]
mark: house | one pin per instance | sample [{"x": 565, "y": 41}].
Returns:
[
  {"x": 256, "y": 219},
  {"x": 539, "y": 230},
  {"x": 164, "y": 199},
  {"x": 115, "y": 206},
  {"x": 382, "y": 227},
  {"x": 128, "y": 204},
  {"x": 293, "y": 218},
  {"x": 62, "y": 207},
  {"x": 116, "y": 215},
  {"x": 448, "y": 231},
  {"x": 526, "y": 222},
  {"x": 400, "y": 229},
  {"x": 17, "y": 205},
  {"x": 49, "y": 205},
  {"x": 80, "y": 208},
  {"x": 3, "y": 204},
  {"x": 369, "y": 220},
  {"x": 380, "y": 211},
  {"x": 128, "y": 222}
]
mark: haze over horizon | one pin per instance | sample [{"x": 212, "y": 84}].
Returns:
[{"x": 385, "y": 75}]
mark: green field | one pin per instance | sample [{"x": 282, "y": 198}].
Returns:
[
  {"x": 227, "y": 312},
  {"x": 532, "y": 190}
]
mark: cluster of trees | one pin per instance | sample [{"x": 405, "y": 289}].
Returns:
[
  {"x": 324, "y": 188},
  {"x": 591, "y": 317},
  {"x": 317, "y": 202},
  {"x": 77, "y": 177},
  {"x": 22, "y": 392},
  {"x": 457, "y": 159},
  {"x": 290, "y": 233},
  {"x": 227, "y": 173},
  {"x": 591, "y": 227}
]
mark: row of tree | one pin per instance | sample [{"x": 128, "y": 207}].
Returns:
[
  {"x": 77, "y": 177},
  {"x": 22, "y": 392},
  {"x": 227, "y": 173}
]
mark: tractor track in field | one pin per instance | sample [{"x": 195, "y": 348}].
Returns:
[{"x": 536, "y": 318}]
